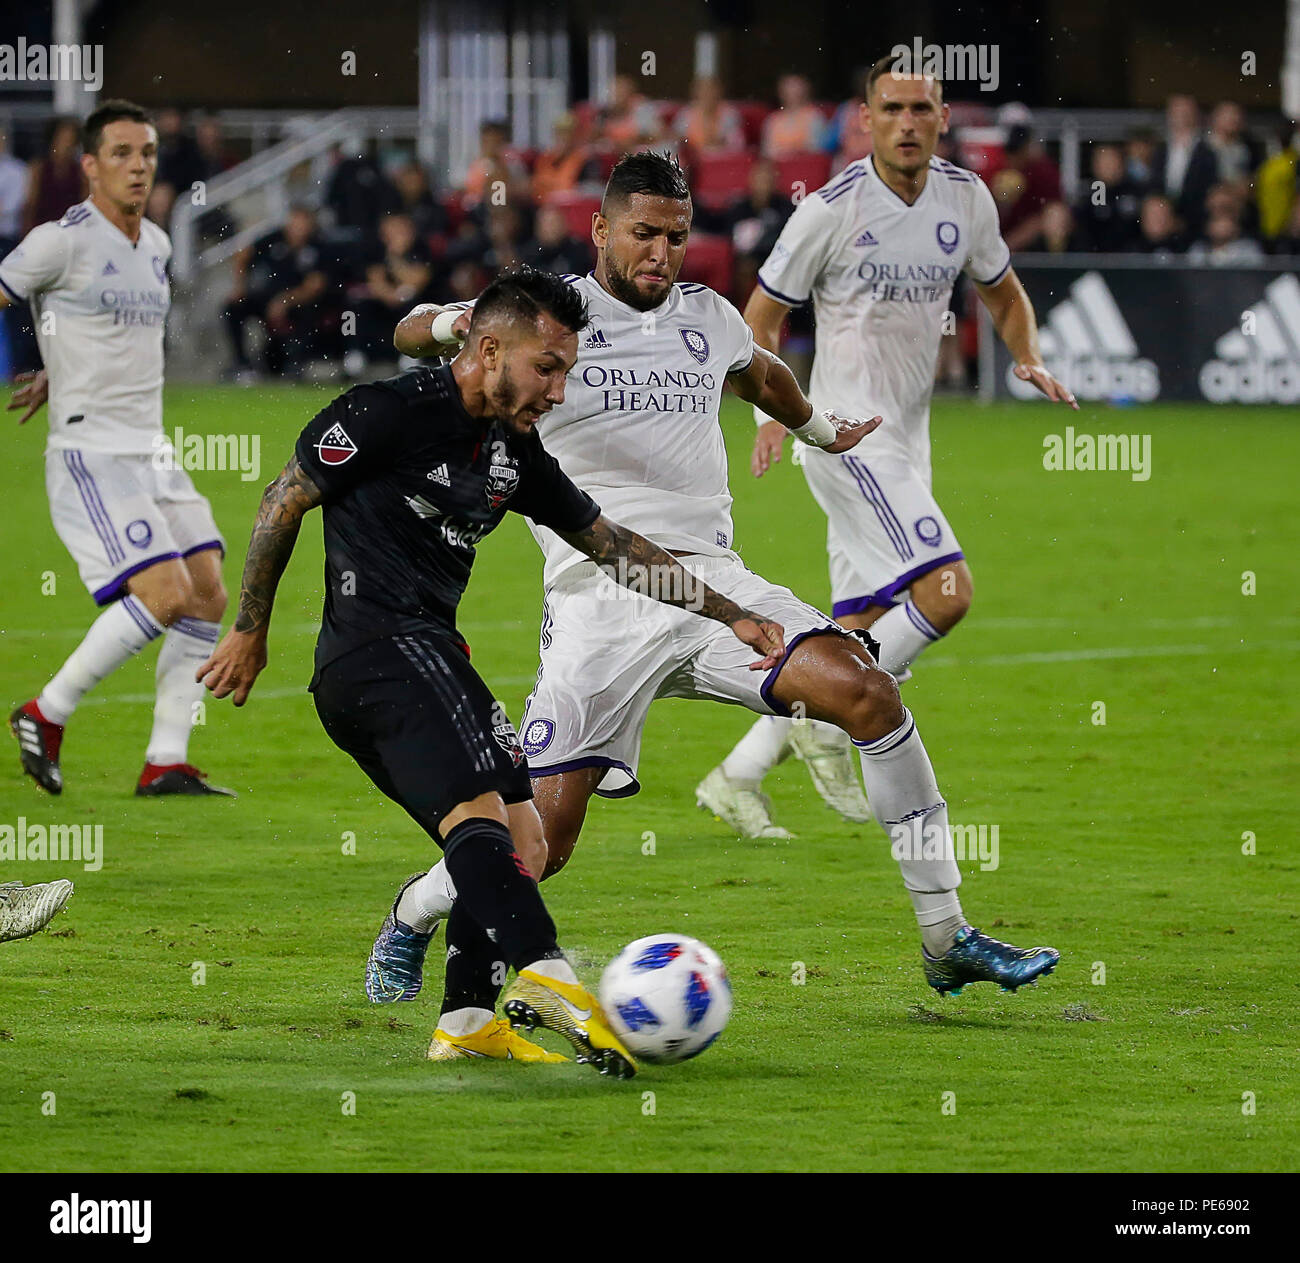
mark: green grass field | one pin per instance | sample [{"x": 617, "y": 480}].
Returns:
[{"x": 1119, "y": 844}]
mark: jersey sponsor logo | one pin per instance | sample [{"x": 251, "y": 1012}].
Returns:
[
  {"x": 866, "y": 239},
  {"x": 456, "y": 535},
  {"x": 505, "y": 736},
  {"x": 1087, "y": 344},
  {"x": 110, "y": 269},
  {"x": 1258, "y": 361},
  {"x": 440, "y": 475},
  {"x": 140, "y": 533},
  {"x": 537, "y": 735},
  {"x": 928, "y": 530},
  {"x": 335, "y": 447},
  {"x": 696, "y": 343},
  {"x": 503, "y": 477},
  {"x": 946, "y": 235},
  {"x": 596, "y": 341}
]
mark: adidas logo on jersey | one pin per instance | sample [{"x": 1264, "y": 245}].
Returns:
[
  {"x": 440, "y": 476},
  {"x": 866, "y": 239},
  {"x": 109, "y": 269},
  {"x": 596, "y": 341},
  {"x": 1087, "y": 345},
  {"x": 1259, "y": 360}
]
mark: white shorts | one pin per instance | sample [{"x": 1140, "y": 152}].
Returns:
[
  {"x": 607, "y": 654},
  {"x": 118, "y": 514},
  {"x": 883, "y": 527}
]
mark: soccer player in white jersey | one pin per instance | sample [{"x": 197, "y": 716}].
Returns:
[
  {"x": 143, "y": 539},
  {"x": 877, "y": 251},
  {"x": 638, "y": 430}
]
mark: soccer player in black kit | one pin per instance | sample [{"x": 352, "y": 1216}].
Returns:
[{"x": 412, "y": 472}]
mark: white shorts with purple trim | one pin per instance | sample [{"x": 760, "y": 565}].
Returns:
[
  {"x": 119, "y": 514},
  {"x": 884, "y": 528},
  {"x": 607, "y": 654}
]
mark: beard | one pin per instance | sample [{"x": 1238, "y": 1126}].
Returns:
[
  {"x": 624, "y": 288},
  {"x": 505, "y": 404}
]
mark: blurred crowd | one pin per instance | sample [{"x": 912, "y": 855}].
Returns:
[{"x": 347, "y": 263}]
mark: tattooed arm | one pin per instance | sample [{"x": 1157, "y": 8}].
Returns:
[
  {"x": 642, "y": 566},
  {"x": 240, "y": 657}
]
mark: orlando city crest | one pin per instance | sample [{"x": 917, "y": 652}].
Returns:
[
  {"x": 946, "y": 234},
  {"x": 697, "y": 344}
]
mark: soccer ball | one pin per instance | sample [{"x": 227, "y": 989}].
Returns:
[{"x": 667, "y": 997}]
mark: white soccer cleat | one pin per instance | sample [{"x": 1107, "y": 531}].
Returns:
[
  {"x": 26, "y": 909},
  {"x": 834, "y": 769},
  {"x": 736, "y": 804}
]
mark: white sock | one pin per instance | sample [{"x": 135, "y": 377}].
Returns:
[
  {"x": 905, "y": 799},
  {"x": 119, "y": 633},
  {"x": 558, "y": 968},
  {"x": 189, "y": 641},
  {"x": 427, "y": 901},
  {"x": 759, "y": 750},
  {"x": 464, "y": 1021},
  {"x": 904, "y": 634}
]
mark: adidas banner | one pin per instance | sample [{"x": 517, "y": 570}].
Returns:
[{"x": 1128, "y": 331}]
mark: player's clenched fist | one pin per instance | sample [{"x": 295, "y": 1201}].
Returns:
[{"x": 234, "y": 665}]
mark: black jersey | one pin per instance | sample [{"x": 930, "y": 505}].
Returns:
[{"x": 410, "y": 483}]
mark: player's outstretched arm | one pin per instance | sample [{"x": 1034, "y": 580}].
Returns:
[
  {"x": 240, "y": 657},
  {"x": 31, "y": 395},
  {"x": 641, "y": 565},
  {"x": 770, "y": 386},
  {"x": 430, "y": 329},
  {"x": 1013, "y": 318}
]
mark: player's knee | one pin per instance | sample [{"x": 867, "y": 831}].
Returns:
[
  {"x": 873, "y": 707},
  {"x": 210, "y": 601},
  {"x": 944, "y": 596},
  {"x": 168, "y": 601},
  {"x": 559, "y": 848}
]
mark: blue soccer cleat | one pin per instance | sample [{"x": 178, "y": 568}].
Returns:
[
  {"x": 395, "y": 970},
  {"x": 974, "y": 957}
]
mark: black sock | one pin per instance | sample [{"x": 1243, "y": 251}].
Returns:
[
  {"x": 498, "y": 892},
  {"x": 475, "y": 970}
]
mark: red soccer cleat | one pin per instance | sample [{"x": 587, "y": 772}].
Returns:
[
  {"x": 176, "y": 778},
  {"x": 38, "y": 746}
]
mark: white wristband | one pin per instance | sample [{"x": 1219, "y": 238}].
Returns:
[
  {"x": 818, "y": 431},
  {"x": 440, "y": 329}
]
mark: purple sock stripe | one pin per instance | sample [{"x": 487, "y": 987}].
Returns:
[
  {"x": 80, "y": 461},
  {"x": 198, "y": 628},
  {"x": 921, "y": 623},
  {"x": 888, "y": 520},
  {"x": 113, "y": 551},
  {"x": 873, "y": 748},
  {"x": 141, "y": 617}
]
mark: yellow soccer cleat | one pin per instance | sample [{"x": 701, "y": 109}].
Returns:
[
  {"x": 533, "y": 1000},
  {"x": 495, "y": 1040}
]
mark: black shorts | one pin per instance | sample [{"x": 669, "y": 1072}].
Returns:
[{"x": 422, "y": 725}]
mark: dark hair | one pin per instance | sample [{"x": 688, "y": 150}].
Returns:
[
  {"x": 92, "y": 131},
  {"x": 900, "y": 66},
  {"x": 522, "y": 293},
  {"x": 645, "y": 172}
]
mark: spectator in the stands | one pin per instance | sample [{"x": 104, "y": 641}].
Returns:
[
  {"x": 753, "y": 221},
  {"x": 553, "y": 248},
  {"x": 496, "y": 176},
  {"x": 1275, "y": 182},
  {"x": 1107, "y": 213},
  {"x": 507, "y": 231},
  {"x": 1140, "y": 153},
  {"x": 560, "y": 167},
  {"x": 1058, "y": 234},
  {"x": 1223, "y": 245},
  {"x": 180, "y": 163},
  {"x": 279, "y": 281},
  {"x": 398, "y": 275},
  {"x": 359, "y": 193},
  {"x": 1185, "y": 165},
  {"x": 1227, "y": 138},
  {"x": 846, "y": 139},
  {"x": 629, "y": 119},
  {"x": 707, "y": 123},
  {"x": 466, "y": 281},
  {"x": 797, "y": 126},
  {"x": 1288, "y": 242},
  {"x": 210, "y": 137},
  {"x": 415, "y": 199},
  {"x": 56, "y": 179},
  {"x": 1028, "y": 182},
  {"x": 1159, "y": 231}
]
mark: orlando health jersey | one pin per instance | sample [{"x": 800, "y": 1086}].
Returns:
[
  {"x": 99, "y": 302},
  {"x": 638, "y": 428},
  {"x": 410, "y": 483},
  {"x": 880, "y": 274}
]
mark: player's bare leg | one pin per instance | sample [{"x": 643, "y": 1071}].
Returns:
[
  {"x": 188, "y": 598},
  {"x": 562, "y": 804},
  {"x": 836, "y": 680}
]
